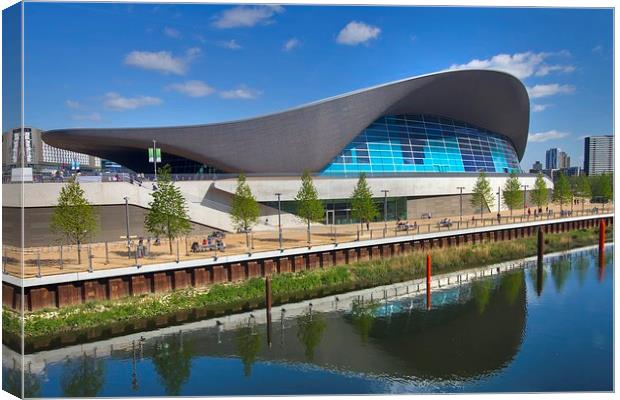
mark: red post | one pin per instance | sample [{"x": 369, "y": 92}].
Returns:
[{"x": 428, "y": 281}]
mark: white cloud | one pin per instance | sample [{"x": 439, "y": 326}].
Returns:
[
  {"x": 87, "y": 117},
  {"x": 73, "y": 104},
  {"x": 551, "y": 89},
  {"x": 521, "y": 65},
  {"x": 230, "y": 44},
  {"x": 192, "y": 88},
  {"x": 546, "y": 69},
  {"x": 357, "y": 32},
  {"x": 540, "y": 107},
  {"x": 116, "y": 102},
  {"x": 162, "y": 61},
  {"x": 173, "y": 33},
  {"x": 241, "y": 92},
  {"x": 243, "y": 16},
  {"x": 291, "y": 44},
  {"x": 597, "y": 49},
  {"x": 548, "y": 135}
]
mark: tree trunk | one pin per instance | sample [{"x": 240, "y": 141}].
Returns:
[
  {"x": 247, "y": 238},
  {"x": 169, "y": 235},
  {"x": 308, "y": 231},
  {"x": 79, "y": 252},
  {"x": 170, "y": 243}
]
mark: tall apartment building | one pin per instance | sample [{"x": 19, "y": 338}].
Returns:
[
  {"x": 39, "y": 155},
  {"x": 598, "y": 155},
  {"x": 556, "y": 159}
]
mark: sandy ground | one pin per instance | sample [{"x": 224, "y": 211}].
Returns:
[{"x": 47, "y": 260}]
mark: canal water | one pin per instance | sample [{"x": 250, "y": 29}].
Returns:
[{"x": 502, "y": 333}]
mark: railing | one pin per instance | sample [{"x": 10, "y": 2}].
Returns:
[{"x": 57, "y": 258}]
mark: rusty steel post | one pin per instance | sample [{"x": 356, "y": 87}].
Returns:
[{"x": 428, "y": 281}]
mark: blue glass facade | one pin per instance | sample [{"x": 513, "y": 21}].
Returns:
[{"x": 424, "y": 143}]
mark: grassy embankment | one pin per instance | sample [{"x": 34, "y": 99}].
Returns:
[{"x": 227, "y": 298}]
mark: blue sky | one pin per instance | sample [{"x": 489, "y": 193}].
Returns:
[{"x": 114, "y": 65}]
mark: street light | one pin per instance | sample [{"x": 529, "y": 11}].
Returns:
[
  {"x": 385, "y": 192},
  {"x": 279, "y": 221},
  {"x": 460, "y": 188},
  {"x": 524, "y": 197},
  {"x": 499, "y": 201},
  {"x": 127, "y": 226}
]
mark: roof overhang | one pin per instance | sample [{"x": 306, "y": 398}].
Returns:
[{"x": 310, "y": 136}]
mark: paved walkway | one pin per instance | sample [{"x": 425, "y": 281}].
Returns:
[{"x": 49, "y": 261}]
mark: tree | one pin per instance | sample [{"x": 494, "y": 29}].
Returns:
[
  {"x": 74, "y": 217},
  {"x": 606, "y": 187},
  {"x": 248, "y": 347},
  {"x": 245, "y": 210},
  {"x": 362, "y": 204},
  {"x": 561, "y": 190},
  {"x": 309, "y": 207},
  {"x": 167, "y": 213},
  {"x": 513, "y": 197},
  {"x": 539, "y": 194},
  {"x": 310, "y": 328},
  {"x": 482, "y": 195},
  {"x": 583, "y": 190}
]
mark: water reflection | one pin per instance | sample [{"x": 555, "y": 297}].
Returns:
[
  {"x": 82, "y": 376},
  {"x": 172, "y": 362},
  {"x": 473, "y": 339}
]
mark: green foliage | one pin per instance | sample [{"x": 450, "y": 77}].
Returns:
[
  {"x": 603, "y": 187},
  {"x": 482, "y": 195},
  {"x": 309, "y": 207},
  {"x": 513, "y": 195},
  {"x": 167, "y": 215},
  {"x": 245, "y": 210},
  {"x": 561, "y": 191},
  {"x": 74, "y": 217},
  {"x": 363, "y": 206},
  {"x": 539, "y": 195},
  {"x": 582, "y": 187}
]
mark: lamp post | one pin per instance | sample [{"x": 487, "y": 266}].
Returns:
[
  {"x": 279, "y": 221},
  {"x": 499, "y": 201},
  {"x": 154, "y": 161},
  {"x": 127, "y": 226},
  {"x": 385, "y": 192},
  {"x": 460, "y": 188},
  {"x": 524, "y": 197}
]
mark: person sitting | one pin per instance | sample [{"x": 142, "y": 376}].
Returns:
[
  {"x": 204, "y": 241},
  {"x": 195, "y": 247}
]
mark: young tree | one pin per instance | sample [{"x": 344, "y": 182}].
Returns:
[
  {"x": 245, "y": 210},
  {"x": 482, "y": 195},
  {"x": 74, "y": 217},
  {"x": 606, "y": 188},
  {"x": 167, "y": 213},
  {"x": 561, "y": 190},
  {"x": 583, "y": 189},
  {"x": 513, "y": 197},
  {"x": 539, "y": 195},
  {"x": 309, "y": 207},
  {"x": 362, "y": 204}
]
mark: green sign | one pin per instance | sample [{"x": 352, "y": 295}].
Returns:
[{"x": 157, "y": 154}]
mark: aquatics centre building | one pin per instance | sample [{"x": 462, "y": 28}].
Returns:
[{"x": 421, "y": 141}]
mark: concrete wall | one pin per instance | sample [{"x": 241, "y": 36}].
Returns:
[
  {"x": 111, "y": 222},
  {"x": 440, "y": 206}
]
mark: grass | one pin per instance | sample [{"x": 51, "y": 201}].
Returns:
[{"x": 286, "y": 287}]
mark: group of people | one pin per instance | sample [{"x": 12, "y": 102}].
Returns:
[
  {"x": 405, "y": 225},
  {"x": 214, "y": 241}
]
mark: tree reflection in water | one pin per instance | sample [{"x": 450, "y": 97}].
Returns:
[
  {"x": 248, "y": 341},
  {"x": 363, "y": 318},
  {"x": 310, "y": 328},
  {"x": 172, "y": 361},
  {"x": 482, "y": 294},
  {"x": 511, "y": 285},
  {"x": 560, "y": 270},
  {"x": 12, "y": 381},
  {"x": 83, "y": 376}
]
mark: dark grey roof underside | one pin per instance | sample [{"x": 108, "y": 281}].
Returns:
[{"x": 312, "y": 135}]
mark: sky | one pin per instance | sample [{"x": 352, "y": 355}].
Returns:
[{"x": 122, "y": 65}]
